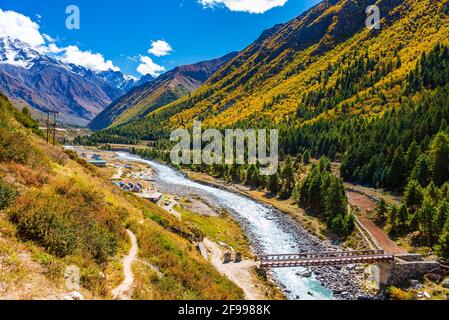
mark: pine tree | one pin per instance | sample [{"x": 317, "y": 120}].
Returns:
[
  {"x": 273, "y": 184},
  {"x": 413, "y": 195},
  {"x": 252, "y": 178},
  {"x": 412, "y": 156},
  {"x": 397, "y": 170},
  {"x": 382, "y": 210},
  {"x": 442, "y": 248},
  {"x": 335, "y": 200},
  {"x": 440, "y": 218},
  {"x": 393, "y": 218},
  {"x": 288, "y": 179},
  {"x": 403, "y": 217},
  {"x": 439, "y": 158},
  {"x": 306, "y": 157},
  {"x": 421, "y": 172},
  {"x": 425, "y": 217}
]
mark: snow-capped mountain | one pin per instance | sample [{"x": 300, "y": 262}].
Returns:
[
  {"x": 45, "y": 83},
  {"x": 16, "y": 53},
  {"x": 118, "y": 79}
]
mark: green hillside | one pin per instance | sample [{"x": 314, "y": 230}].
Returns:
[
  {"x": 56, "y": 210},
  {"x": 320, "y": 65}
]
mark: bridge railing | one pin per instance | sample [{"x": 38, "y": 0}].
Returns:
[
  {"x": 318, "y": 255},
  {"x": 324, "y": 258}
]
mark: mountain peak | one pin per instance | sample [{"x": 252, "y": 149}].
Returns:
[{"x": 17, "y": 53}]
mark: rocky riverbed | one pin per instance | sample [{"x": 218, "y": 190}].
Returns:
[
  {"x": 270, "y": 232},
  {"x": 345, "y": 282}
]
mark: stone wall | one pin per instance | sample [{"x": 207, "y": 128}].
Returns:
[
  {"x": 410, "y": 257},
  {"x": 402, "y": 271}
]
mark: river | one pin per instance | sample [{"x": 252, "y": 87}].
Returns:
[{"x": 268, "y": 230}]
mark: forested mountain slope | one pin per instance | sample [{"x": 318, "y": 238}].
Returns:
[
  {"x": 374, "y": 100},
  {"x": 167, "y": 88},
  {"x": 323, "y": 64}
]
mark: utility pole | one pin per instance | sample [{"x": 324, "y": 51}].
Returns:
[
  {"x": 54, "y": 128},
  {"x": 48, "y": 124}
]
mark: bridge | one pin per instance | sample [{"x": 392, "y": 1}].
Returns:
[
  {"x": 313, "y": 259},
  {"x": 388, "y": 269}
]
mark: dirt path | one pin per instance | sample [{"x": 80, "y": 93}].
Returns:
[
  {"x": 239, "y": 273},
  {"x": 124, "y": 290},
  {"x": 168, "y": 203}
]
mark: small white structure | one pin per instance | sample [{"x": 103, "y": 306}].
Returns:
[{"x": 152, "y": 196}]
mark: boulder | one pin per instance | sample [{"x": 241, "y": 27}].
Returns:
[
  {"x": 238, "y": 257},
  {"x": 227, "y": 257},
  {"x": 445, "y": 283},
  {"x": 306, "y": 274}
]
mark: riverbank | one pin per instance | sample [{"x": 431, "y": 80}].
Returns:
[
  {"x": 269, "y": 231},
  {"x": 348, "y": 282},
  {"x": 222, "y": 233},
  {"x": 308, "y": 222}
]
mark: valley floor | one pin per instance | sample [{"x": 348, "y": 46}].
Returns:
[
  {"x": 361, "y": 199},
  {"x": 222, "y": 233}
]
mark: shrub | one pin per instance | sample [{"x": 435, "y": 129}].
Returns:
[
  {"x": 14, "y": 146},
  {"x": 67, "y": 219},
  {"x": 394, "y": 293},
  {"x": 7, "y": 194}
]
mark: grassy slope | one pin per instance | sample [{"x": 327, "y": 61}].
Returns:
[
  {"x": 260, "y": 84},
  {"x": 66, "y": 213}
]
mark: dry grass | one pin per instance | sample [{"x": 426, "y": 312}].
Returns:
[{"x": 218, "y": 229}]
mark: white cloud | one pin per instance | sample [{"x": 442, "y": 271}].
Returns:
[
  {"x": 147, "y": 66},
  {"x": 48, "y": 38},
  {"x": 160, "y": 48},
  {"x": 87, "y": 59},
  {"x": 251, "y": 6},
  {"x": 52, "y": 48},
  {"x": 17, "y": 26}
]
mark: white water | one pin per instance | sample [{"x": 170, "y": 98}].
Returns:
[{"x": 270, "y": 236}]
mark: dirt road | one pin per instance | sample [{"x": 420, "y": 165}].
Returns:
[
  {"x": 239, "y": 273},
  {"x": 368, "y": 205}
]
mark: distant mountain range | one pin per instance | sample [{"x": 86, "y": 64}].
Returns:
[
  {"x": 46, "y": 83},
  {"x": 146, "y": 98}
]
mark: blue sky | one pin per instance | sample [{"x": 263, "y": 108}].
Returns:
[{"x": 123, "y": 30}]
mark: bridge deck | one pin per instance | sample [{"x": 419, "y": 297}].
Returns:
[{"x": 324, "y": 259}]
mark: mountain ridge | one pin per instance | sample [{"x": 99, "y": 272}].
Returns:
[
  {"x": 272, "y": 77},
  {"x": 46, "y": 83},
  {"x": 174, "y": 84}
]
